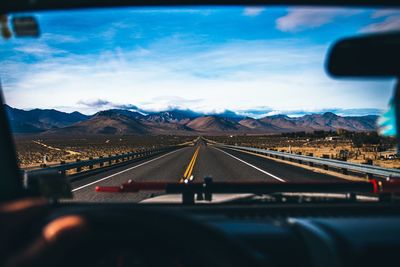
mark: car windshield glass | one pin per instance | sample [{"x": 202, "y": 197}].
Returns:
[{"x": 176, "y": 94}]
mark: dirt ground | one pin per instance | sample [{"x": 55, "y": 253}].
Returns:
[{"x": 35, "y": 150}]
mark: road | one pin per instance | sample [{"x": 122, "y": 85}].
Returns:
[{"x": 200, "y": 160}]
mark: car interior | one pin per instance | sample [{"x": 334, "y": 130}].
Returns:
[{"x": 280, "y": 227}]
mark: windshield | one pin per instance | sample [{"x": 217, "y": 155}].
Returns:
[{"x": 177, "y": 94}]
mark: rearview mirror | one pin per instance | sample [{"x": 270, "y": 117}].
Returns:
[{"x": 376, "y": 55}]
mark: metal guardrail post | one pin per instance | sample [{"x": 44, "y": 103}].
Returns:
[
  {"x": 90, "y": 166},
  {"x": 63, "y": 172},
  {"x": 78, "y": 169}
]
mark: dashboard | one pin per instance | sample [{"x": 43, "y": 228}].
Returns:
[
  {"x": 316, "y": 235},
  {"x": 265, "y": 235}
]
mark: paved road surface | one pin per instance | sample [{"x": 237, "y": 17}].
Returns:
[{"x": 200, "y": 160}]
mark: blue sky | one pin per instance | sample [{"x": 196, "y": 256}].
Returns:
[{"x": 253, "y": 60}]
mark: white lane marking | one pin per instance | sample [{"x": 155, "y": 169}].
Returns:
[
  {"x": 134, "y": 167},
  {"x": 251, "y": 165}
]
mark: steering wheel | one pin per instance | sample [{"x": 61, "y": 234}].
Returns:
[{"x": 150, "y": 236}]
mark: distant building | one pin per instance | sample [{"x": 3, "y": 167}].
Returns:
[{"x": 332, "y": 138}]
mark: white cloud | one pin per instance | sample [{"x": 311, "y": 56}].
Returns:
[
  {"x": 385, "y": 12},
  {"x": 390, "y": 22},
  {"x": 238, "y": 75},
  {"x": 38, "y": 49},
  {"x": 253, "y": 11},
  {"x": 265, "y": 111},
  {"x": 299, "y": 19},
  {"x": 60, "y": 38}
]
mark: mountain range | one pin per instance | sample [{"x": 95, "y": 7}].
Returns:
[{"x": 178, "y": 122}]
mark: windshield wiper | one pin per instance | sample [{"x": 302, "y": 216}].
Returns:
[{"x": 208, "y": 188}]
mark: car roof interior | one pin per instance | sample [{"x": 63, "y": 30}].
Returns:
[{"x": 27, "y": 5}]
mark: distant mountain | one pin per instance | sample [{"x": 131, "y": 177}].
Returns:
[
  {"x": 177, "y": 122},
  {"x": 106, "y": 122},
  {"x": 321, "y": 122},
  {"x": 117, "y": 112},
  {"x": 259, "y": 125},
  {"x": 282, "y": 123},
  {"x": 175, "y": 115},
  {"x": 214, "y": 124},
  {"x": 38, "y": 120},
  {"x": 229, "y": 115}
]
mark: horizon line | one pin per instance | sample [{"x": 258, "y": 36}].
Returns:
[{"x": 241, "y": 113}]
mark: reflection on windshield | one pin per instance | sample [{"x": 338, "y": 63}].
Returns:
[{"x": 238, "y": 94}]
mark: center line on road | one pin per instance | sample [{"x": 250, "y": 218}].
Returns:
[
  {"x": 251, "y": 165},
  {"x": 134, "y": 167},
  {"x": 190, "y": 167}
]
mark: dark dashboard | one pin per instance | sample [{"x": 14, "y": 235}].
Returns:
[
  {"x": 257, "y": 235},
  {"x": 331, "y": 235}
]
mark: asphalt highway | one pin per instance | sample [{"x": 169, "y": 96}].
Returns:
[{"x": 192, "y": 162}]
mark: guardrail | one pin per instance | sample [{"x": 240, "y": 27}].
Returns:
[
  {"x": 344, "y": 167},
  {"x": 101, "y": 162}
]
